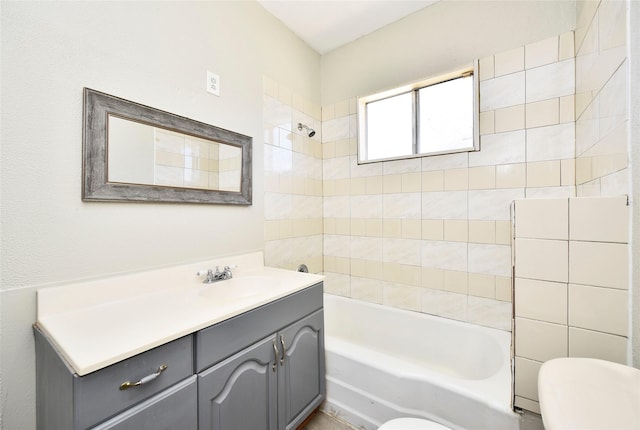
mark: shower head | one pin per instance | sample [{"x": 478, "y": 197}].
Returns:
[{"x": 310, "y": 132}]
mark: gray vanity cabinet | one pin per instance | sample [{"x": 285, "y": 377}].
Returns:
[
  {"x": 260, "y": 370},
  {"x": 241, "y": 392},
  {"x": 276, "y": 381}
]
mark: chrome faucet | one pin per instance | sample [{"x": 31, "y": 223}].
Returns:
[{"x": 217, "y": 275}]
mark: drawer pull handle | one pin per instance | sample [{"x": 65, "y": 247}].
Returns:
[
  {"x": 284, "y": 350},
  {"x": 126, "y": 385},
  {"x": 275, "y": 350}
]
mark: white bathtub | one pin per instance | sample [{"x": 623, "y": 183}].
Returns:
[{"x": 384, "y": 363}]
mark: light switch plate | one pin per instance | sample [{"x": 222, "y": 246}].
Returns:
[{"x": 213, "y": 83}]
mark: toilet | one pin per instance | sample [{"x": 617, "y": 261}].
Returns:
[{"x": 411, "y": 424}]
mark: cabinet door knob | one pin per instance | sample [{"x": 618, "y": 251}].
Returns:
[
  {"x": 284, "y": 350},
  {"x": 126, "y": 385}
]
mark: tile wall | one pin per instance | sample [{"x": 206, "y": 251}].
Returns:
[
  {"x": 292, "y": 180},
  {"x": 433, "y": 234},
  {"x": 602, "y": 91},
  {"x": 571, "y": 287}
]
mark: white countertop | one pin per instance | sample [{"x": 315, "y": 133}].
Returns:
[{"x": 98, "y": 323}]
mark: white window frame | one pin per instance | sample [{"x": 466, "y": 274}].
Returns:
[{"x": 414, "y": 88}]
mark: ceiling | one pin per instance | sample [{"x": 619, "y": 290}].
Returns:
[{"x": 328, "y": 24}]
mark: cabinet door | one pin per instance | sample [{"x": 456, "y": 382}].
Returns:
[
  {"x": 302, "y": 373},
  {"x": 174, "y": 408},
  {"x": 240, "y": 393}
]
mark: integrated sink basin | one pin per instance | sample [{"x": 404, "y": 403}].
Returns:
[
  {"x": 585, "y": 393},
  {"x": 241, "y": 287}
]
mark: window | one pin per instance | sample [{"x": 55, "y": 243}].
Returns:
[{"x": 436, "y": 116}]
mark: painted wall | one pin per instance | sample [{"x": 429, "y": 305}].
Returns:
[
  {"x": 155, "y": 53},
  {"x": 438, "y": 39}
]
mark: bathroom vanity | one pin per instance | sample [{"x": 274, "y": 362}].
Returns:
[{"x": 247, "y": 354}]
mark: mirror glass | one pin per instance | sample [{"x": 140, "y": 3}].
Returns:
[
  {"x": 142, "y": 154},
  {"x": 133, "y": 152}
]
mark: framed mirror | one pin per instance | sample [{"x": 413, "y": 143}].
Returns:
[{"x": 132, "y": 152}]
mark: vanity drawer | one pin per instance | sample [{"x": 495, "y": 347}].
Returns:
[
  {"x": 222, "y": 340},
  {"x": 98, "y": 395}
]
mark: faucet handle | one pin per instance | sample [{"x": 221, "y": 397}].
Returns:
[{"x": 202, "y": 272}]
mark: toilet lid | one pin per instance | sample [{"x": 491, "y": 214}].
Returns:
[{"x": 411, "y": 424}]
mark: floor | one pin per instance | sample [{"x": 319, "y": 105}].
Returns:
[{"x": 322, "y": 421}]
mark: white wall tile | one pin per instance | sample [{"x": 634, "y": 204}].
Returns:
[
  {"x": 541, "y": 341},
  {"x": 526, "y": 378},
  {"x": 402, "y": 205},
  {"x": 501, "y": 148},
  {"x": 492, "y": 204},
  {"x": 365, "y": 248},
  {"x": 337, "y": 245},
  {"x": 600, "y": 309},
  {"x": 444, "y": 304},
  {"x": 447, "y": 161},
  {"x": 553, "y": 80},
  {"x": 545, "y": 260},
  {"x": 542, "y": 52},
  {"x": 542, "y": 219},
  {"x": 444, "y": 205},
  {"x": 554, "y": 142},
  {"x": 444, "y": 255},
  {"x": 599, "y": 264},
  {"x": 593, "y": 344},
  {"x": 366, "y": 289},
  {"x": 489, "y": 259},
  {"x": 366, "y": 206},
  {"x": 600, "y": 219},
  {"x": 402, "y": 251},
  {"x": 508, "y": 90},
  {"x": 541, "y": 300},
  {"x": 489, "y": 313}
]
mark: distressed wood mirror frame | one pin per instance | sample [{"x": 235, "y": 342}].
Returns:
[{"x": 96, "y": 185}]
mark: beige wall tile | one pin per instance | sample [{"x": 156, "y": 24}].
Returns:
[
  {"x": 358, "y": 186},
  {"x": 567, "y": 172},
  {"x": 411, "y": 182},
  {"x": 482, "y": 178},
  {"x": 481, "y": 285},
  {"x": 545, "y": 260},
  {"x": 432, "y": 278},
  {"x": 543, "y": 113},
  {"x": 567, "y": 109},
  {"x": 456, "y": 179},
  {"x": 374, "y": 227},
  {"x": 541, "y": 53},
  {"x": 486, "y": 68},
  {"x": 487, "y": 122},
  {"x": 504, "y": 290},
  {"x": 433, "y": 181},
  {"x": 526, "y": 378},
  {"x": 358, "y": 267},
  {"x": 509, "y": 118},
  {"x": 541, "y": 341},
  {"x": 599, "y": 264},
  {"x": 511, "y": 175},
  {"x": 392, "y": 228},
  {"x": 374, "y": 184},
  {"x": 541, "y": 300},
  {"x": 358, "y": 227},
  {"x": 411, "y": 229},
  {"x": 343, "y": 226},
  {"x": 600, "y": 309},
  {"x": 542, "y": 218},
  {"x": 593, "y": 344},
  {"x": 456, "y": 230},
  {"x": 566, "y": 46},
  {"x": 455, "y": 282},
  {"x": 482, "y": 231},
  {"x": 601, "y": 219},
  {"x": 503, "y": 233},
  {"x": 527, "y": 404},
  {"x": 509, "y": 62},
  {"x": 433, "y": 229},
  {"x": 543, "y": 174},
  {"x": 391, "y": 184}
]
